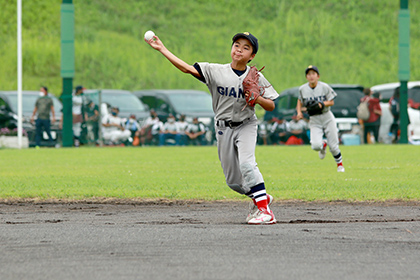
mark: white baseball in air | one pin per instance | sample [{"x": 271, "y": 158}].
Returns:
[{"x": 149, "y": 35}]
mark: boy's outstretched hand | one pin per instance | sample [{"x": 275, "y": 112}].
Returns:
[{"x": 155, "y": 43}]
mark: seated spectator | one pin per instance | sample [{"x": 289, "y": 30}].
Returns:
[
  {"x": 298, "y": 128},
  {"x": 182, "y": 125},
  {"x": 169, "y": 130},
  {"x": 113, "y": 128},
  {"x": 280, "y": 131},
  {"x": 155, "y": 130},
  {"x": 133, "y": 126},
  {"x": 196, "y": 133},
  {"x": 146, "y": 135},
  {"x": 264, "y": 131}
]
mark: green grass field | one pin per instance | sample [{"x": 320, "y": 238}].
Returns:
[{"x": 373, "y": 173}]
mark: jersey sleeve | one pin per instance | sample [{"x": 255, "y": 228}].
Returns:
[
  {"x": 198, "y": 68},
  {"x": 300, "y": 97},
  {"x": 331, "y": 94},
  {"x": 105, "y": 119},
  {"x": 270, "y": 92}
]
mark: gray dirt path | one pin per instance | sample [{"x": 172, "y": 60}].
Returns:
[{"x": 201, "y": 240}]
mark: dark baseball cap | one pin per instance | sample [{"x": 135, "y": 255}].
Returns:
[
  {"x": 79, "y": 88},
  {"x": 311, "y": 67},
  {"x": 250, "y": 37}
]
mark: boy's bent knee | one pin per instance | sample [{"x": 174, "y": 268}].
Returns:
[
  {"x": 316, "y": 146},
  {"x": 239, "y": 189}
]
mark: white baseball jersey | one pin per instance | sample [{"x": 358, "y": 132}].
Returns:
[
  {"x": 77, "y": 101},
  {"x": 168, "y": 126},
  {"x": 322, "y": 92},
  {"x": 182, "y": 126},
  {"x": 227, "y": 92},
  {"x": 110, "y": 119},
  {"x": 195, "y": 127}
]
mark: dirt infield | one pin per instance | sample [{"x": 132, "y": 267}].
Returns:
[
  {"x": 162, "y": 239},
  {"x": 288, "y": 211}
]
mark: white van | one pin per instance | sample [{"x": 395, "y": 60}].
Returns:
[{"x": 387, "y": 91}]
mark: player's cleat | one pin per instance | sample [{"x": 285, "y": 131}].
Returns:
[
  {"x": 340, "y": 168},
  {"x": 263, "y": 217},
  {"x": 323, "y": 151},
  {"x": 253, "y": 209}
]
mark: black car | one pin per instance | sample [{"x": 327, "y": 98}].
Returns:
[
  {"x": 28, "y": 104},
  {"x": 344, "y": 109},
  {"x": 345, "y": 104},
  {"x": 8, "y": 119}
]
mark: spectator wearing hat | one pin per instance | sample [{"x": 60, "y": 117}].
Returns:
[
  {"x": 146, "y": 135},
  {"x": 134, "y": 127},
  {"x": 196, "y": 133},
  {"x": 114, "y": 131},
  {"x": 280, "y": 131},
  {"x": 170, "y": 130},
  {"x": 299, "y": 128},
  {"x": 183, "y": 125}
]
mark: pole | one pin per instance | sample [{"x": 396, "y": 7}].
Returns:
[
  {"x": 19, "y": 71},
  {"x": 67, "y": 69},
  {"x": 404, "y": 66}
]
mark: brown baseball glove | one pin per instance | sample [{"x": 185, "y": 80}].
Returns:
[{"x": 252, "y": 89}]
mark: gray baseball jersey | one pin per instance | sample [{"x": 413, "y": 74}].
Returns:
[
  {"x": 322, "y": 92},
  {"x": 227, "y": 92},
  {"x": 325, "y": 122},
  {"x": 236, "y": 145}
]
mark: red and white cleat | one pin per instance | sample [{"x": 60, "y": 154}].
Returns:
[
  {"x": 323, "y": 151},
  {"x": 253, "y": 209},
  {"x": 263, "y": 217}
]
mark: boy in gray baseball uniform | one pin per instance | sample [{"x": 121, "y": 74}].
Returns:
[
  {"x": 235, "y": 121},
  {"x": 322, "y": 119}
]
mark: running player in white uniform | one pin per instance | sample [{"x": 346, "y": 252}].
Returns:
[
  {"x": 236, "y": 123},
  {"x": 324, "y": 121}
]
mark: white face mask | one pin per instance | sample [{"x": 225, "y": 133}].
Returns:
[
  {"x": 171, "y": 120},
  {"x": 41, "y": 93}
]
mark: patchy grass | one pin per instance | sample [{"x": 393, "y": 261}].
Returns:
[{"x": 373, "y": 173}]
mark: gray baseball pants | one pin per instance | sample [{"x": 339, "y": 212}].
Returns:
[
  {"x": 320, "y": 124},
  {"x": 236, "y": 149}
]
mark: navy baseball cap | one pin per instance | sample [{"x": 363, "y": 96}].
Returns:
[
  {"x": 250, "y": 37},
  {"x": 79, "y": 88},
  {"x": 311, "y": 67}
]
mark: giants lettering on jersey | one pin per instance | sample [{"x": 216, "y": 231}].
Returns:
[
  {"x": 230, "y": 92},
  {"x": 317, "y": 98}
]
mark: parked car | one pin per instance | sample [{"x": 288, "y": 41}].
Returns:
[
  {"x": 344, "y": 109},
  {"x": 8, "y": 119},
  {"x": 386, "y": 92},
  {"x": 127, "y": 103},
  {"x": 191, "y": 103},
  {"x": 28, "y": 104}
]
